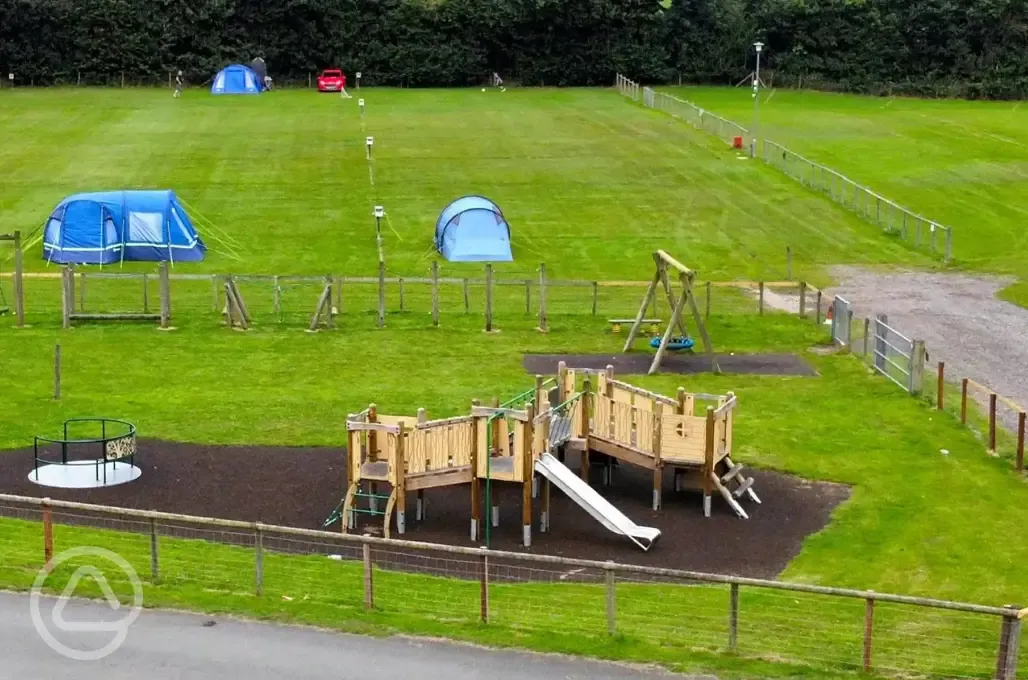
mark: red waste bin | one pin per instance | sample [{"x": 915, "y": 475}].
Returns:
[{"x": 737, "y": 143}]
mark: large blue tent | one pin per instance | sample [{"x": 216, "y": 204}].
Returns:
[
  {"x": 236, "y": 79},
  {"x": 121, "y": 226},
  {"x": 473, "y": 229}
]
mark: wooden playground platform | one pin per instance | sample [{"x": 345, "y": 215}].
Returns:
[{"x": 579, "y": 411}]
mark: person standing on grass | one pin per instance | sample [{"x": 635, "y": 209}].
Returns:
[{"x": 178, "y": 85}]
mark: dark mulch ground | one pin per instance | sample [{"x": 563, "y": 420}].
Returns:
[
  {"x": 639, "y": 363},
  {"x": 300, "y": 487}
]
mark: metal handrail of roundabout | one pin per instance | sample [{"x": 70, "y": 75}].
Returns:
[{"x": 113, "y": 448}]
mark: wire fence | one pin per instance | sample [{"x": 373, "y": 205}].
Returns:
[
  {"x": 914, "y": 229},
  {"x": 182, "y": 560},
  {"x": 419, "y": 300}
]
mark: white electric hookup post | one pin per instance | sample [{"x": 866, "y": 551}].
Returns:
[
  {"x": 369, "y": 142},
  {"x": 360, "y": 102},
  {"x": 759, "y": 46},
  {"x": 358, "y": 80},
  {"x": 379, "y": 214}
]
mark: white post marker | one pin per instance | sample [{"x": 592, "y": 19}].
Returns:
[
  {"x": 360, "y": 102},
  {"x": 358, "y": 80},
  {"x": 369, "y": 142},
  {"x": 379, "y": 214}
]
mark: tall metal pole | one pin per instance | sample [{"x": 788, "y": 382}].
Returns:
[{"x": 759, "y": 46}]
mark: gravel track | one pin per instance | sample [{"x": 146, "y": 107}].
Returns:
[{"x": 959, "y": 318}]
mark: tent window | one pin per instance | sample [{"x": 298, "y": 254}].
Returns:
[
  {"x": 53, "y": 230},
  {"x": 110, "y": 230},
  {"x": 145, "y": 227}
]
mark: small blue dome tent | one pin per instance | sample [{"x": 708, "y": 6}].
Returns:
[
  {"x": 236, "y": 79},
  {"x": 121, "y": 226},
  {"x": 473, "y": 229}
]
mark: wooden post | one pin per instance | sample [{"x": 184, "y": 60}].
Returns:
[
  {"x": 82, "y": 291},
  {"x": 476, "y": 491},
  {"x": 917, "y": 362},
  {"x": 596, "y": 293},
  {"x": 65, "y": 302},
  {"x": 708, "y": 462},
  {"x": 435, "y": 292},
  {"x": 611, "y": 590},
  {"x": 467, "y": 298},
  {"x": 992, "y": 422},
  {"x": 369, "y": 587},
  {"x": 528, "y": 297},
  {"x": 258, "y": 543},
  {"x": 165, "y": 295},
  {"x": 1020, "y": 441},
  {"x": 276, "y": 297},
  {"x": 542, "y": 297},
  {"x": 19, "y": 282},
  {"x": 963, "y": 401},
  {"x": 401, "y": 482},
  {"x": 381, "y": 294},
  {"x": 1009, "y": 639},
  {"x": 817, "y": 314},
  {"x": 155, "y": 565},
  {"x": 788, "y": 263},
  {"x": 584, "y": 406},
  {"x": 869, "y": 613},
  {"x": 760, "y": 306},
  {"x": 658, "y": 468},
  {"x": 940, "y": 388},
  {"x": 146, "y": 293},
  {"x": 484, "y": 590},
  {"x": 488, "y": 298},
  {"x": 803, "y": 299},
  {"x": 57, "y": 372},
  {"x": 706, "y": 313},
  {"x": 48, "y": 533},
  {"x": 401, "y": 294},
  {"x": 867, "y": 333},
  {"x": 733, "y": 617},
  {"x": 528, "y": 474}
]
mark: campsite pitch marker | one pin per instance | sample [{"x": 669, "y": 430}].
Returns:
[
  {"x": 360, "y": 102},
  {"x": 359, "y": 81},
  {"x": 370, "y": 141}
]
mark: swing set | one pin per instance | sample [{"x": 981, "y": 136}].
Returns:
[{"x": 18, "y": 287}]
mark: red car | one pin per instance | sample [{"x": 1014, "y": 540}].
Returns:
[{"x": 331, "y": 80}]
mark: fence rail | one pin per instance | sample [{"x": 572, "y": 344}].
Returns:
[
  {"x": 792, "y": 623},
  {"x": 915, "y": 229}
]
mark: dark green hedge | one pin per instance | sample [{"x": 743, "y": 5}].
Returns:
[{"x": 975, "y": 48}]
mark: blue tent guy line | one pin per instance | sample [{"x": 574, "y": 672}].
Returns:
[
  {"x": 121, "y": 226},
  {"x": 473, "y": 229},
  {"x": 236, "y": 79}
]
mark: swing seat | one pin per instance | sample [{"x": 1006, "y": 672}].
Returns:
[{"x": 674, "y": 344}]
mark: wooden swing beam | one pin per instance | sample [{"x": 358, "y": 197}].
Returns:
[{"x": 686, "y": 277}]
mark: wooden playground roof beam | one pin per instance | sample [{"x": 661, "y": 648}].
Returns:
[
  {"x": 672, "y": 262},
  {"x": 372, "y": 427}
]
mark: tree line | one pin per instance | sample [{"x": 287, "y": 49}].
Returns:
[{"x": 968, "y": 48}]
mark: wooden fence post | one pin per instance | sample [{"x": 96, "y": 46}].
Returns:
[
  {"x": 867, "y": 335},
  {"x": 65, "y": 302},
  {"x": 48, "y": 533},
  {"x": 733, "y": 617},
  {"x": 82, "y": 291},
  {"x": 488, "y": 298},
  {"x": 1020, "y": 441},
  {"x": 803, "y": 299},
  {"x": 57, "y": 372},
  {"x": 542, "y": 297},
  {"x": 146, "y": 293},
  {"x": 611, "y": 591},
  {"x": 155, "y": 567},
  {"x": 467, "y": 298},
  {"x": 165, "y": 295},
  {"x": 817, "y": 314},
  {"x": 381, "y": 294},
  {"x": 435, "y": 292},
  {"x": 869, "y": 613},
  {"x": 1009, "y": 639},
  {"x": 484, "y": 580},
  {"x": 258, "y": 543},
  {"x": 940, "y": 389},
  {"x": 401, "y": 294},
  {"x": 788, "y": 263},
  {"x": 760, "y": 305},
  {"x": 992, "y": 422},
  {"x": 706, "y": 312},
  {"x": 917, "y": 362},
  {"x": 19, "y": 282},
  {"x": 596, "y": 294},
  {"x": 369, "y": 586},
  {"x": 963, "y": 401}
]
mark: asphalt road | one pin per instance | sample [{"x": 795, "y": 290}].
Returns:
[{"x": 186, "y": 647}]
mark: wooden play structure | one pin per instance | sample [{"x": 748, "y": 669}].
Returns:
[
  {"x": 677, "y": 303},
  {"x": 68, "y": 297},
  {"x": 17, "y": 279},
  {"x": 615, "y": 421}
]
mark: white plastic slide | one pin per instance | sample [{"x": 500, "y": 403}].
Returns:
[{"x": 593, "y": 503}]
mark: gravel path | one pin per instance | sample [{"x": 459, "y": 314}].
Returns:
[{"x": 959, "y": 318}]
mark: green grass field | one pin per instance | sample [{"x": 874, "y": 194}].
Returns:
[
  {"x": 957, "y": 162},
  {"x": 591, "y": 185}
]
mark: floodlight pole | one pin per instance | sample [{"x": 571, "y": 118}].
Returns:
[{"x": 759, "y": 46}]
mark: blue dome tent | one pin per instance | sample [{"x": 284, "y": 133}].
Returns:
[
  {"x": 473, "y": 229},
  {"x": 121, "y": 226},
  {"x": 236, "y": 79}
]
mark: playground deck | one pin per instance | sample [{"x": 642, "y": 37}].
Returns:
[{"x": 638, "y": 363}]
